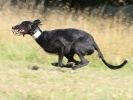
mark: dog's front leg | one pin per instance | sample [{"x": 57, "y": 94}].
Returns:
[{"x": 60, "y": 57}]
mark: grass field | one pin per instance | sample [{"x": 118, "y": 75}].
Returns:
[{"x": 93, "y": 82}]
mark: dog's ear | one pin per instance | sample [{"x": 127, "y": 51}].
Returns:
[{"x": 37, "y": 22}]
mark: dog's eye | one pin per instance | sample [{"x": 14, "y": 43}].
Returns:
[{"x": 22, "y": 23}]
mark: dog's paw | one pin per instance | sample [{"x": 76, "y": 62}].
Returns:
[
  {"x": 70, "y": 64},
  {"x": 55, "y": 64},
  {"x": 80, "y": 65}
]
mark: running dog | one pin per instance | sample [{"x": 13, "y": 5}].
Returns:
[{"x": 63, "y": 42}]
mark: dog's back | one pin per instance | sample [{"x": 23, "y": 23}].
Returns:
[
  {"x": 66, "y": 38},
  {"x": 68, "y": 34}
]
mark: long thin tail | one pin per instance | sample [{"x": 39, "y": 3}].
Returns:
[{"x": 106, "y": 63}]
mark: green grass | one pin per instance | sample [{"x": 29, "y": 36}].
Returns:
[
  {"x": 93, "y": 82},
  {"x": 18, "y": 82}
]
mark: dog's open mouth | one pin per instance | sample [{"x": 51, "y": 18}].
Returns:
[{"x": 18, "y": 32}]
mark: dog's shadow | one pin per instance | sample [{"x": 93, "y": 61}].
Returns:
[
  {"x": 33, "y": 67},
  {"x": 68, "y": 65},
  {"x": 57, "y": 68}
]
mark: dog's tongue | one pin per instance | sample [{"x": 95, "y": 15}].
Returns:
[{"x": 22, "y": 30}]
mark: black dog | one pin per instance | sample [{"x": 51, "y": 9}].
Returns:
[{"x": 63, "y": 42}]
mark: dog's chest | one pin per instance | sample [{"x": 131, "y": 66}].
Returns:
[
  {"x": 48, "y": 45},
  {"x": 50, "y": 48},
  {"x": 54, "y": 45}
]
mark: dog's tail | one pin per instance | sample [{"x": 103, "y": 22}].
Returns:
[{"x": 106, "y": 63}]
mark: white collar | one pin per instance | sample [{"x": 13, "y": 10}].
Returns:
[{"x": 36, "y": 34}]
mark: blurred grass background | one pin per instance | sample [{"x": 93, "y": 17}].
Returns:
[
  {"x": 93, "y": 82},
  {"x": 112, "y": 34}
]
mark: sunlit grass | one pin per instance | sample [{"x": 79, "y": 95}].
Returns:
[{"x": 49, "y": 83}]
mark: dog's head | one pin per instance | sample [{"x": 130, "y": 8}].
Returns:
[{"x": 26, "y": 27}]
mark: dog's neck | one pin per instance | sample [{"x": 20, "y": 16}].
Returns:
[{"x": 37, "y": 33}]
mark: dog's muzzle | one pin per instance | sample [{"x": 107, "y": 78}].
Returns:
[{"x": 17, "y": 31}]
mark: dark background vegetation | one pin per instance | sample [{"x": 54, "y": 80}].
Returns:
[
  {"x": 104, "y": 7},
  {"x": 77, "y": 4}
]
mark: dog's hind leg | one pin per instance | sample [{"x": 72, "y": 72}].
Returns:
[
  {"x": 80, "y": 49},
  {"x": 71, "y": 61},
  {"x": 83, "y": 62},
  {"x": 70, "y": 58}
]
